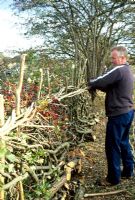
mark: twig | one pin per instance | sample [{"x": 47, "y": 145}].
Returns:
[
  {"x": 11, "y": 124},
  {"x": 66, "y": 144},
  {"x": 31, "y": 172},
  {"x": 15, "y": 181},
  {"x": 5, "y": 174},
  {"x": 104, "y": 193},
  {"x": 1, "y": 110},
  {"x": 25, "y": 145},
  {"x": 71, "y": 94},
  {"x": 37, "y": 126}
]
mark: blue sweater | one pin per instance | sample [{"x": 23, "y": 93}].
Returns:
[{"x": 118, "y": 86}]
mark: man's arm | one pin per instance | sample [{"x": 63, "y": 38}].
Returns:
[{"x": 103, "y": 82}]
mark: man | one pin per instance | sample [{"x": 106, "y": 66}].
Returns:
[{"x": 118, "y": 86}]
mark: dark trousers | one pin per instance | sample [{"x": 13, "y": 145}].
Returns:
[{"x": 118, "y": 148}]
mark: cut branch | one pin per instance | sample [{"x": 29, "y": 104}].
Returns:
[
  {"x": 41, "y": 82},
  {"x": 15, "y": 181},
  {"x": 71, "y": 94},
  {"x": 2, "y": 145},
  {"x": 19, "y": 88},
  {"x": 63, "y": 179},
  {"x": 104, "y": 193},
  {"x": 66, "y": 144},
  {"x": 11, "y": 123}
]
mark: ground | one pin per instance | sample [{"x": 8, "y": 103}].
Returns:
[{"x": 94, "y": 168}]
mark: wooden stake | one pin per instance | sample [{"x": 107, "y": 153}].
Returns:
[
  {"x": 2, "y": 144},
  {"x": 19, "y": 87},
  {"x": 18, "y": 105},
  {"x": 41, "y": 82},
  {"x": 48, "y": 80}
]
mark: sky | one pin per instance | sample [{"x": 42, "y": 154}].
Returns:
[{"x": 11, "y": 33}]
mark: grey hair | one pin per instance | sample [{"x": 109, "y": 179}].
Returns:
[{"x": 122, "y": 51}]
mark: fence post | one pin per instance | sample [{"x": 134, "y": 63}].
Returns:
[{"x": 2, "y": 144}]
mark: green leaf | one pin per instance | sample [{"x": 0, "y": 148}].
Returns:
[
  {"x": 11, "y": 168},
  {"x": 11, "y": 157},
  {"x": 2, "y": 152},
  {"x": 2, "y": 166},
  {"x": 38, "y": 192}
]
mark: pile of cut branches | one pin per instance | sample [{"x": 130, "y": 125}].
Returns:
[
  {"x": 35, "y": 142},
  {"x": 35, "y": 146},
  {"x": 33, "y": 151}
]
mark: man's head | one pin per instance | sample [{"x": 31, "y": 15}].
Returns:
[{"x": 119, "y": 55}]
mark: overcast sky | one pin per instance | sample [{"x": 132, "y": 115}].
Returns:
[{"x": 11, "y": 34}]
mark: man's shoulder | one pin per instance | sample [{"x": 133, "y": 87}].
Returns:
[
  {"x": 115, "y": 69},
  {"x": 121, "y": 68}
]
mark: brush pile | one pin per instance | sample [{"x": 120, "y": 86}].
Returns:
[{"x": 35, "y": 147}]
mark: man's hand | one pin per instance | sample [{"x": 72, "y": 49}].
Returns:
[
  {"x": 92, "y": 91},
  {"x": 93, "y": 94},
  {"x": 89, "y": 88}
]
